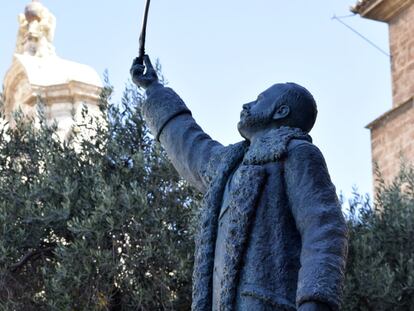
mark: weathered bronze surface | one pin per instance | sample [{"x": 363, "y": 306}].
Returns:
[{"x": 272, "y": 235}]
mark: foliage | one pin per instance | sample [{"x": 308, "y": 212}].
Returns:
[
  {"x": 101, "y": 222},
  {"x": 104, "y": 222},
  {"x": 380, "y": 273}
]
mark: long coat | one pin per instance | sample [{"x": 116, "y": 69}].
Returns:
[{"x": 286, "y": 238}]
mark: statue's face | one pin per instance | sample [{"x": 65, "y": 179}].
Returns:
[
  {"x": 33, "y": 11},
  {"x": 258, "y": 115}
]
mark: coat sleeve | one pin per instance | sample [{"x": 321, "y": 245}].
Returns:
[
  {"x": 188, "y": 147},
  {"x": 320, "y": 221}
]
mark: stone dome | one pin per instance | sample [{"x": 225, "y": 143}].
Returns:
[{"x": 53, "y": 70}]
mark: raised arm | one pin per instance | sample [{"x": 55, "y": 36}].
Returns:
[
  {"x": 170, "y": 121},
  {"x": 321, "y": 224}
]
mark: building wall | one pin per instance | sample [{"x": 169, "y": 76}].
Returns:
[
  {"x": 392, "y": 141},
  {"x": 402, "y": 52},
  {"x": 392, "y": 135}
]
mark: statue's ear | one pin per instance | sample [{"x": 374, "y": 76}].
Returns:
[{"x": 281, "y": 112}]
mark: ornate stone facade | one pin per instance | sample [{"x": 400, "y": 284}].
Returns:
[
  {"x": 37, "y": 74},
  {"x": 392, "y": 134}
]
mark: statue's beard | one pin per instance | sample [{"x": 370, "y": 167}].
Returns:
[{"x": 250, "y": 124}]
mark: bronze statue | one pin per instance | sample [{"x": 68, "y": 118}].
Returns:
[{"x": 272, "y": 235}]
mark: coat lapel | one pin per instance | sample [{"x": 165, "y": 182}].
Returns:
[
  {"x": 241, "y": 215},
  {"x": 207, "y": 231}
]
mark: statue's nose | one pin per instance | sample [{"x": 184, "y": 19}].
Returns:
[{"x": 246, "y": 106}]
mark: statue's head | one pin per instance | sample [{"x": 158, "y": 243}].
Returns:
[
  {"x": 33, "y": 11},
  {"x": 284, "y": 104}
]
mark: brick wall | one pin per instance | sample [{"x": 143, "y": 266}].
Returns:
[
  {"x": 402, "y": 51},
  {"x": 392, "y": 138}
]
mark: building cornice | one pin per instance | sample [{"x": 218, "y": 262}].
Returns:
[
  {"x": 70, "y": 92},
  {"x": 380, "y": 10},
  {"x": 390, "y": 114}
]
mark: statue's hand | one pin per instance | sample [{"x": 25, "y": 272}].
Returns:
[
  {"x": 143, "y": 75},
  {"x": 314, "y": 306}
]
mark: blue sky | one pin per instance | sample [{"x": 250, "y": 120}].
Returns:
[{"x": 220, "y": 54}]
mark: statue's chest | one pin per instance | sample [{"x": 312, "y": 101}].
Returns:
[{"x": 273, "y": 189}]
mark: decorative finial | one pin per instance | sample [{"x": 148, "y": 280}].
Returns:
[{"x": 36, "y": 31}]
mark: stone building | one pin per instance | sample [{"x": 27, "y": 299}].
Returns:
[
  {"x": 37, "y": 75},
  {"x": 392, "y": 134}
]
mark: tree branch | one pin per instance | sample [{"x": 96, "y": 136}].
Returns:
[{"x": 29, "y": 256}]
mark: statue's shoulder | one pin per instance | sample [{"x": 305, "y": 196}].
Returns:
[
  {"x": 304, "y": 150},
  {"x": 297, "y": 143},
  {"x": 225, "y": 159}
]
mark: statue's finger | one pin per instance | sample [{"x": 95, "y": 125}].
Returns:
[
  {"x": 138, "y": 61},
  {"x": 148, "y": 63},
  {"x": 137, "y": 70}
]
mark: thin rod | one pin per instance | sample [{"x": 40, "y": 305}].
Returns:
[{"x": 143, "y": 35}]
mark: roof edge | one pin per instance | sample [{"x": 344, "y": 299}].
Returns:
[
  {"x": 390, "y": 114},
  {"x": 380, "y": 10}
]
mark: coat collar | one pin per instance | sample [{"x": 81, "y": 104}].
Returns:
[{"x": 273, "y": 145}]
